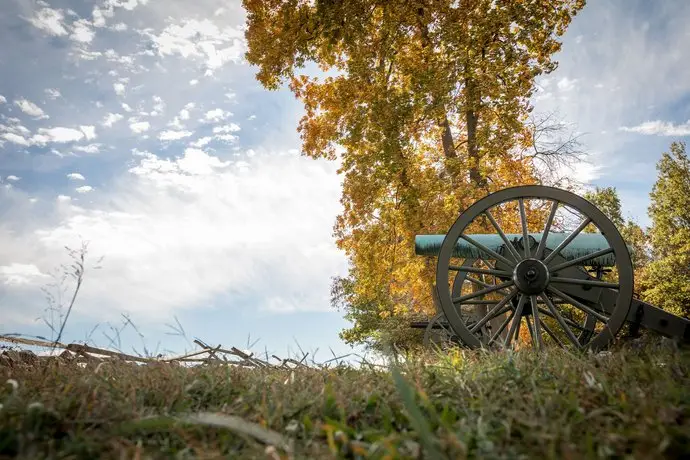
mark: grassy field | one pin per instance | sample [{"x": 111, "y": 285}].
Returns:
[{"x": 633, "y": 402}]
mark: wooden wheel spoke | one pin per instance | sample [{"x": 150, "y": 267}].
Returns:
[
  {"x": 555, "y": 302},
  {"x": 591, "y": 256},
  {"x": 484, "y": 284},
  {"x": 501, "y": 328},
  {"x": 446, "y": 330},
  {"x": 537, "y": 321},
  {"x": 552, "y": 335},
  {"x": 517, "y": 329},
  {"x": 557, "y": 315},
  {"x": 547, "y": 229},
  {"x": 523, "y": 222},
  {"x": 515, "y": 325},
  {"x": 578, "y": 304},
  {"x": 568, "y": 321},
  {"x": 493, "y": 312},
  {"x": 567, "y": 241},
  {"x": 491, "y": 252},
  {"x": 503, "y": 236},
  {"x": 597, "y": 283},
  {"x": 489, "y": 290},
  {"x": 480, "y": 302},
  {"x": 481, "y": 271}
]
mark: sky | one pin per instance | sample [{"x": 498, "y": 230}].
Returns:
[{"x": 137, "y": 125}]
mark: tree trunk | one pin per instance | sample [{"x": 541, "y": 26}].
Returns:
[
  {"x": 472, "y": 99},
  {"x": 447, "y": 139}
]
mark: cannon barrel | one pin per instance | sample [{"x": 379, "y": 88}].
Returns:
[{"x": 582, "y": 244}]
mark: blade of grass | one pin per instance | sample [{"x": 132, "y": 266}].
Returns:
[{"x": 417, "y": 420}]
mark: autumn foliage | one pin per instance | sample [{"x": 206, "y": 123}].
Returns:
[{"x": 424, "y": 103}]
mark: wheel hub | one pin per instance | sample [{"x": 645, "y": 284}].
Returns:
[{"x": 531, "y": 276}]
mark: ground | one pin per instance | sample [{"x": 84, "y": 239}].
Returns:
[{"x": 630, "y": 402}]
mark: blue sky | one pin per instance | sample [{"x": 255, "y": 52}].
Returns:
[{"x": 137, "y": 125}]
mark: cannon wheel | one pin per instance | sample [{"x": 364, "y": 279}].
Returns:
[
  {"x": 516, "y": 299},
  {"x": 438, "y": 334}
]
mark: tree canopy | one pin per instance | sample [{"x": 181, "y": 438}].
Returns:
[
  {"x": 661, "y": 253},
  {"x": 425, "y": 103},
  {"x": 666, "y": 280}
]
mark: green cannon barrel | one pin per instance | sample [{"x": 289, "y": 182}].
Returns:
[{"x": 582, "y": 244}]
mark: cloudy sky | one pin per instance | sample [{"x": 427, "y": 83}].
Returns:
[{"x": 137, "y": 126}]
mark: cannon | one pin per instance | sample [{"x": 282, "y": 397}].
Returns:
[{"x": 543, "y": 257}]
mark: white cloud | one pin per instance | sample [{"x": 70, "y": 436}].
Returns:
[
  {"x": 210, "y": 232},
  {"x": 202, "y": 39},
  {"x": 158, "y": 104},
  {"x": 119, "y": 27},
  {"x": 107, "y": 10},
  {"x": 15, "y": 139},
  {"x": 230, "y": 128},
  {"x": 87, "y": 55},
  {"x": 83, "y": 189},
  {"x": 174, "y": 135},
  {"x": 112, "y": 56},
  {"x": 226, "y": 137},
  {"x": 99, "y": 16},
  {"x": 201, "y": 141},
  {"x": 140, "y": 126},
  {"x": 129, "y": 5},
  {"x": 75, "y": 176},
  {"x": 16, "y": 128},
  {"x": 63, "y": 198},
  {"x": 82, "y": 31},
  {"x": 50, "y": 21},
  {"x": 3, "y": 99},
  {"x": 52, "y": 93},
  {"x": 16, "y": 274},
  {"x": 184, "y": 114},
  {"x": 660, "y": 128},
  {"x": 59, "y": 135},
  {"x": 111, "y": 119},
  {"x": 13, "y": 178},
  {"x": 126, "y": 107},
  {"x": 217, "y": 115},
  {"x": 30, "y": 108},
  {"x": 119, "y": 89},
  {"x": 91, "y": 148},
  {"x": 193, "y": 82},
  {"x": 586, "y": 172},
  {"x": 566, "y": 84},
  {"x": 89, "y": 132},
  {"x": 176, "y": 123}
]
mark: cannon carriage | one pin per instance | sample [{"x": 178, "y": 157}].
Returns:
[{"x": 552, "y": 263}]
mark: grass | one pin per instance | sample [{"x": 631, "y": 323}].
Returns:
[{"x": 631, "y": 402}]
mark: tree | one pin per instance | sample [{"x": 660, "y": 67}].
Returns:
[
  {"x": 666, "y": 280},
  {"x": 606, "y": 199},
  {"x": 425, "y": 103}
]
